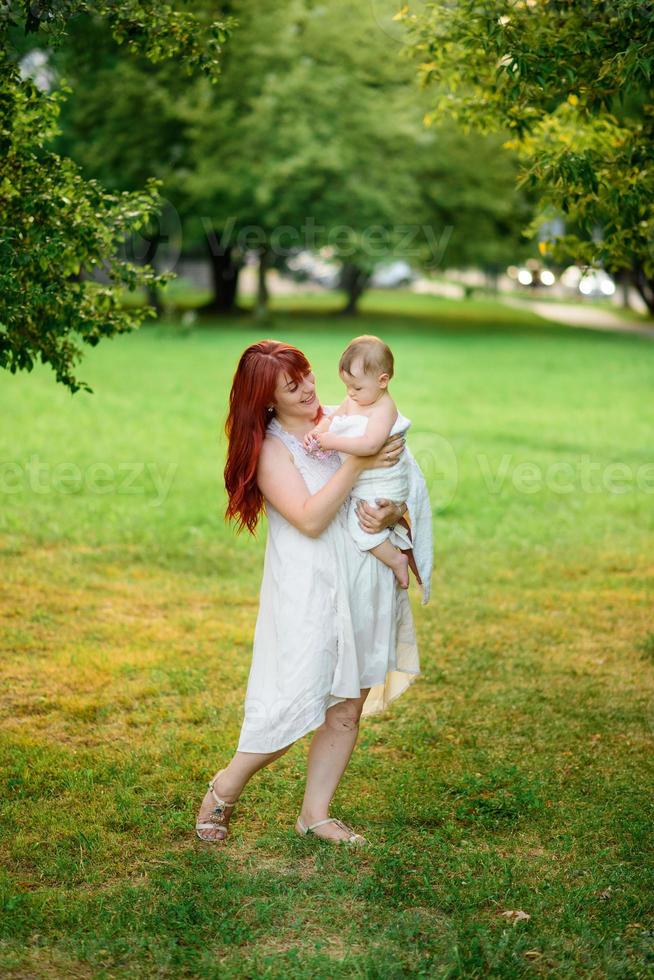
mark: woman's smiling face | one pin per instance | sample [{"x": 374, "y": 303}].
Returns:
[{"x": 296, "y": 400}]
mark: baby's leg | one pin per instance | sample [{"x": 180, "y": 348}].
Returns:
[{"x": 395, "y": 559}]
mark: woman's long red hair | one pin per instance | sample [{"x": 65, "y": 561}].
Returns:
[{"x": 253, "y": 390}]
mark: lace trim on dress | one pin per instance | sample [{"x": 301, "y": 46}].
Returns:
[{"x": 316, "y": 470}]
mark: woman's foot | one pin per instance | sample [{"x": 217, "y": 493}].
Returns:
[
  {"x": 331, "y": 829},
  {"x": 216, "y": 809},
  {"x": 400, "y": 568}
]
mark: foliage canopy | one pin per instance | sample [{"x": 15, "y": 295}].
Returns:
[
  {"x": 571, "y": 82},
  {"x": 55, "y": 223}
]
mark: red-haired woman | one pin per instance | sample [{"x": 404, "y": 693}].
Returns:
[{"x": 332, "y": 631}]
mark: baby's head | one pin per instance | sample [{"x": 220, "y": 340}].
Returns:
[{"x": 366, "y": 367}]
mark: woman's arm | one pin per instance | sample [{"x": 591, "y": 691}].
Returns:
[{"x": 281, "y": 484}]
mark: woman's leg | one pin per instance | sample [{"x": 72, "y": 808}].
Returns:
[
  {"x": 329, "y": 754},
  {"x": 230, "y": 783}
]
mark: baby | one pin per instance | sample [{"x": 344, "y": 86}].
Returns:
[{"x": 360, "y": 426}]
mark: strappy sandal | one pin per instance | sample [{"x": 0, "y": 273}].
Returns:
[
  {"x": 352, "y": 839},
  {"x": 216, "y": 817}
]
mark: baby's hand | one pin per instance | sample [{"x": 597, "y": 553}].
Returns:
[
  {"x": 324, "y": 439},
  {"x": 310, "y": 441}
]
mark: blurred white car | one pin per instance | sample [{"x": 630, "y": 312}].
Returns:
[
  {"x": 311, "y": 265},
  {"x": 392, "y": 274}
]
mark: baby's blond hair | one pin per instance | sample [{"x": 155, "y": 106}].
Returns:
[{"x": 376, "y": 356}]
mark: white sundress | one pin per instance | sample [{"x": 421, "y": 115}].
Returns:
[{"x": 331, "y": 621}]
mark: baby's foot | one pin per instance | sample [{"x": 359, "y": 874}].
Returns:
[{"x": 400, "y": 568}]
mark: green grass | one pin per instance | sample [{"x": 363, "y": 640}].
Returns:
[{"x": 516, "y": 774}]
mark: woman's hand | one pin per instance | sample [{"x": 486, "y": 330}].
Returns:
[
  {"x": 388, "y": 455},
  {"x": 374, "y": 519}
]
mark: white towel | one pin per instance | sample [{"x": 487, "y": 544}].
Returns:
[
  {"x": 421, "y": 527},
  {"x": 420, "y": 519}
]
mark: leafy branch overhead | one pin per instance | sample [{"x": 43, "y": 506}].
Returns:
[
  {"x": 156, "y": 30},
  {"x": 572, "y": 83},
  {"x": 56, "y": 224}
]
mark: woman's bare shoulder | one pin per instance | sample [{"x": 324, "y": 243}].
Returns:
[{"x": 273, "y": 451}]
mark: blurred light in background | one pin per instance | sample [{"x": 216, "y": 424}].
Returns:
[{"x": 596, "y": 282}]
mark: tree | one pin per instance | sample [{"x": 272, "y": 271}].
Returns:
[
  {"x": 309, "y": 143},
  {"x": 56, "y": 224},
  {"x": 99, "y": 132},
  {"x": 468, "y": 187},
  {"x": 570, "y": 83},
  {"x": 314, "y": 137},
  {"x": 318, "y": 139}
]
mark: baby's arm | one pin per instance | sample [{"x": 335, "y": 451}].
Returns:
[
  {"x": 377, "y": 432},
  {"x": 323, "y": 426}
]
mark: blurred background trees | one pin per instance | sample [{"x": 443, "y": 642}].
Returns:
[
  {"x": 133, "y": 139},
  {"x": 313, "y": 139}
]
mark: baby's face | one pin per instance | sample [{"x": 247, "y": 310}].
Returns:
[{"x": 362, "y": 388}]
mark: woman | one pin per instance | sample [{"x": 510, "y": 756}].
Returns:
[{"x": 333, "y": 631}]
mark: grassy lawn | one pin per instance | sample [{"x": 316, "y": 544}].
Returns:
[
  {"x": 516, "y": 774},
  {"x": 182, "y": 295}
]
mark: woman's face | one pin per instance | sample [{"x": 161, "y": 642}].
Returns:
[{"x": 297, "y": 401}]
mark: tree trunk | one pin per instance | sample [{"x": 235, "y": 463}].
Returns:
[
  {"x": 623, "y": 279},
  {"x": 645, "y": 287},
  {"x": 492, "y": 273},
  {"x": 154, "y": 299},
  {"x": 353, "y": 280},
  {"x": 224, "y": 278},
  {"x": 261, "y": 306}
]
